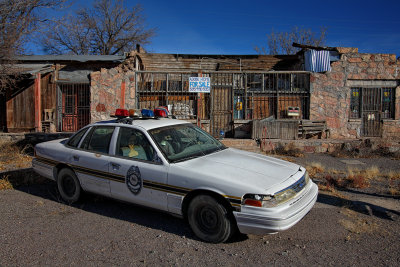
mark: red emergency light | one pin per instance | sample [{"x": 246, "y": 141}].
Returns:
[
  {"x": 161, "y": 112},
  {"x": 121, "y": 113}
]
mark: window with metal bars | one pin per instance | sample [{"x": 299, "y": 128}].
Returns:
[
  {"x": 378, "y": 99},
  {"x": 355, "y": 103},
  {"x": 387, "y": 103}
]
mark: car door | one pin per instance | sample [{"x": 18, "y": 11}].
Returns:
[
  {"x": 138, "y": 173},
  {"x": 91, "y": 160}
]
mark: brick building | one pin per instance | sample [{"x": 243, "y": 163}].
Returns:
[{"x": 359, "y": 97}]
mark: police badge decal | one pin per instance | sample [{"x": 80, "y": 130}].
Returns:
[{"x": 134, "y": 180}]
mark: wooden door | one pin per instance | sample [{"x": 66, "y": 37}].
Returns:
[{"x": 222, "y": 112}]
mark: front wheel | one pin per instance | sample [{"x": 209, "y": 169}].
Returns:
[
  {"x": 209, "y": 219},
  {"x": 68, "y": 186}
]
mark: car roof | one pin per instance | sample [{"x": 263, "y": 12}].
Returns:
[{"x": 146, "y": 124}]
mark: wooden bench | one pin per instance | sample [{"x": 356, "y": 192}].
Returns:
[{"x": 312, "y": 128}]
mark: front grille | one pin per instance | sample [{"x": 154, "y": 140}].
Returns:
[{"x": 297, "y": 186}]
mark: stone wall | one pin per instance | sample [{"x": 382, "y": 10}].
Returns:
[
  {"x": 111, "y": 89},
  {"x": 330, "y": 91}
]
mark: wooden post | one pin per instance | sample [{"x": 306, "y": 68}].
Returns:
[
  {"x": 38, "y": 103},
  {"x": 198, "y": 104},
  {"x": 122, "y": 103}
]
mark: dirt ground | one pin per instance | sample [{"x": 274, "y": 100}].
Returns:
[{"x": 346, "y": 227}]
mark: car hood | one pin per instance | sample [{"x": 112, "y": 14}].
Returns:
[{"x": 244, "y": 169}]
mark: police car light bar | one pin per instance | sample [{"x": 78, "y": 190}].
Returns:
[{"x": 121, "y": 113}]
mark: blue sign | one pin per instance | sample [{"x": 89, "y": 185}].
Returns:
[{"x": 199, "y": 84}]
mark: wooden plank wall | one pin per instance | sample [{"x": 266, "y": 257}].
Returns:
[
  {"x": 263, "y": 106},
  {"x": 49, "y": 94},
  {"x": 222, "y": 111},
  {"x": 3, "y": 112},
  {"x": 289, "y": 101},
  {"x": 21, "y": 111},
  {"x": 174, "y": 62},
  {"x": 21, "y": 105},
  {"x": 287, "y": 130}
]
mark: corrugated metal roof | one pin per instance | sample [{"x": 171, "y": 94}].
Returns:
[{"x": 71, "y": 58}]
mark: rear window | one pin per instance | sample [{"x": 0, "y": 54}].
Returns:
[
  {"x": 98, "y": 140},
  {"x": 74, "y": 140}
]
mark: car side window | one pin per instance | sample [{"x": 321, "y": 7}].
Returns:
[
  {"x": 98, "y": 140},
  {"x": 74, "y": 140},
  {"x": 134, "y": 144}
]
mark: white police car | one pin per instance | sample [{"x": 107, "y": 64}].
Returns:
[{"x": 176, "y": 167}]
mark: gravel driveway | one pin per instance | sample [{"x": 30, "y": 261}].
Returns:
[{"x": 350, "y": 228}]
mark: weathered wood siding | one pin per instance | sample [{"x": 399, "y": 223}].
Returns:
[
  {"x": 275, "y": 129},
  {"x": 21, "y": 104},
  {"x": 172, "y": 62},
  {"x": 21, "y": 110}
]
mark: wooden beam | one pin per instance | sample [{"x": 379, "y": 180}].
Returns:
[
  {"x": 123, "y": 87},
  {"x": 38, "y": 103}
]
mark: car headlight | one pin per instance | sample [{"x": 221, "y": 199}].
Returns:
[
  {"x": 257, "y": 200},
  {"x": 270, "y": 201}
]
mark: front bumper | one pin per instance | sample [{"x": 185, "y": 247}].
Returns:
[{"x": 261, "y": 221}]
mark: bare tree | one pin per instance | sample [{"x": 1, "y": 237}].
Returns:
[
  {"x": 280, "y": 43},
  {"x": 18, "y": 19},
  {"x": 108, "y": 28}
]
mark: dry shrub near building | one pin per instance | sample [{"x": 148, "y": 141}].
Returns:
[
  {"x": 394, "y": 183},
  {"x": 14, "y": 157},
  {"x": 289, "y": 149},
  {"x": 315, "y": 168},
  {"x": 5, "y": 183},
  {"x": 365, "y": 149}
]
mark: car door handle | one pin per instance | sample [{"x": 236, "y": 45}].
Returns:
[
  {"x": 76, "y": 158},
  {"x": 115, "y": 166}
]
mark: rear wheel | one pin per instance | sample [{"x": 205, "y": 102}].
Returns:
[
  {"x": 209, "y": 219},
  {"x": 68, "y": 186}
]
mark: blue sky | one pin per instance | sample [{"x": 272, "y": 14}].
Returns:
[{"x": 236, "y": 27}]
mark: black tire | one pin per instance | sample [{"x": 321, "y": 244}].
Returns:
[
  {"x": 210, "y": 220},
  {"x": 68, "y": 186}
]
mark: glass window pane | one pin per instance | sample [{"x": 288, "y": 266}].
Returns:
[
  {"x": 355, "y": 103},
  {"x": 387, "y": 103},
  {"x": 74, "y": 140},
  {"x": 134, "y": 144},
  {"x": 99, "y": 139}
]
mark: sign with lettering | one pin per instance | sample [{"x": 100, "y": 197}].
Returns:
[{"x": 199, "y": 84}]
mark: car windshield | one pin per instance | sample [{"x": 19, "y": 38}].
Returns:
[{"x": 184, "y": 142}]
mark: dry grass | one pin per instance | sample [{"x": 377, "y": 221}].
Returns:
[
  {"x": 393, "y": 176},
  {"x": 394, "y": 183},
  {"x": 356, "y": 225},
  {"x": 5, "y": 183},
  {"x": 289, "y": 149},
  {"x": 357, "y": 178},
  {"x": 352, "y": 178},
  {"x": 288, "y": 159},
  {"x": 13, "y": 157},
  {"x": 314, "y": 169}
]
